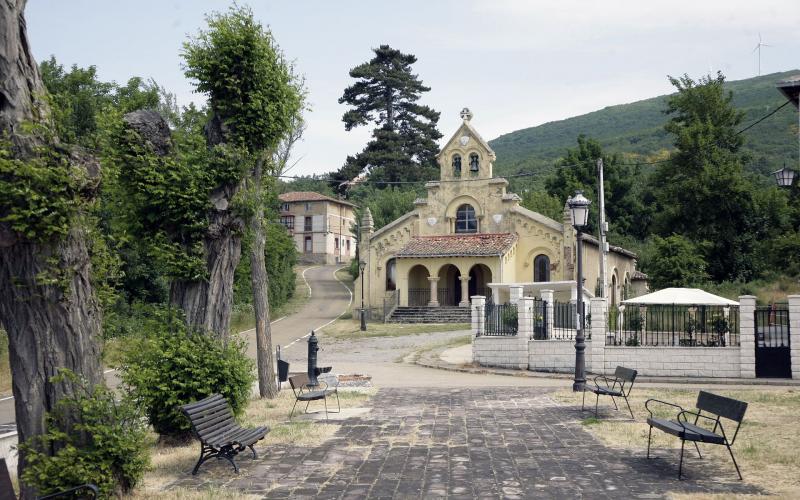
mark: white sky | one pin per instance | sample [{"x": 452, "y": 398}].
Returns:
[{"x": 514, "y": 63}]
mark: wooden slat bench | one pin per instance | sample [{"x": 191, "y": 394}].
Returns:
[
  {"x": 219, "y": 434},
  {"x": 717, "y": 407}
]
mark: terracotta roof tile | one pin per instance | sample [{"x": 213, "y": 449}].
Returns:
[
  {"x": 458, "y": 245},
  {"x": 294, "y": 196}
]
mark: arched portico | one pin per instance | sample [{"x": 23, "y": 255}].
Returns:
[
  {"x": 479, "y": 278},
  {"x": 419, "y": 287},
  {"x": 449, "y": 289}
]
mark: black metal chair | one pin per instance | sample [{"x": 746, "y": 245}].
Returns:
[
  {"x": 303, "y": 391},
  {"x": 618, "y": 386},
  {"x": 7, "y": 489},
  {"x": 717, "y": 406}
]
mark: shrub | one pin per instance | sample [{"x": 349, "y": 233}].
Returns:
[
  {"x": 107, "y": 446},
  {"x": 169, "y": 366}
]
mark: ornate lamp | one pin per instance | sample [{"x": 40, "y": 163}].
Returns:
[
  {"x": 785, "y": 176},
  {"x": 579, "y": 210}
]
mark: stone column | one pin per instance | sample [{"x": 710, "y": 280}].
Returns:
[
  {"x": 548, "y": 296},
  {"x": 514, "y": 294},
  {"x": 596, "y": 361},
  {"x": 464, "y": 291},
  {"x": 434, "y": 301},
  {"x": 478, "y": 315},
  {"x": 794, "y": 331},
  {"x": 747, "y": 336},
  {"x": 525, "y": 317}
]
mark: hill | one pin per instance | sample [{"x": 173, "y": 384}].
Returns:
[{"x": 637, "y": 130}]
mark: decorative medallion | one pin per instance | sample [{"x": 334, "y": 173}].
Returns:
[
  {"x": 497, "y": 218},
  {"x": 431, "y": 221},
  {"x": 464, "y": 140}
]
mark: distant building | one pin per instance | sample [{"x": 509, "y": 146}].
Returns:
[
  {"x": 320, "y": 225},
  {"x": 469, "y": 236}
]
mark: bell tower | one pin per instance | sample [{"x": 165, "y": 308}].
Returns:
[{"x": 466, "y": 155}]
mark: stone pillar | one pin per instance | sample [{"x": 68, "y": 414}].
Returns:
[
  {"x": 598, "y": 308},
  {"x": 794, "y": 331},
  {"x": 464, "y": 291},
  {"x": 478, "y": 315},
  {"x": 525, "y": 318},
  {"x": 434, "y": 301},
  {"x": 514, "y": 294},
  {"x": 747, "y": 336},
  {"x": 548, "y": 296}
]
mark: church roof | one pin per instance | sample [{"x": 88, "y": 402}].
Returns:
[{"x": 459, "y": 245}]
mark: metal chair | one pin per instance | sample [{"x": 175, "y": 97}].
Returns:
[{"x": 619, "y": 386}]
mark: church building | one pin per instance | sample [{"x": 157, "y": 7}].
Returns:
[{"x": 469, "y": 236}]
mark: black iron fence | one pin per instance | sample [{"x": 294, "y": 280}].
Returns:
[
  {"x": 677, "y": 325},
  {"x": 539, "y": 319},
  {"x": 565, "y": 321},
  {"x": 445, "y": 297},
  {"x": 501, "y": 320},
  {"x": 419, "y": 297}
]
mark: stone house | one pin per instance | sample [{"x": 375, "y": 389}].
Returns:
[
  {"x": 470, "y": 236},
  {"x": 320, "y": 225}
]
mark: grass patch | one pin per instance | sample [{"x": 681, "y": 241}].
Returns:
[
  {"x": 5, "y": 365},
  {"x": 767, "y": 448},
  {"x": 172, "y": 463},
  {"x": 243, "y": 317},
  {"x": 351, "y": 329},
  {"x": 590, "y": 421}
]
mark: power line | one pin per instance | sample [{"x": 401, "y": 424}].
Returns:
[{"x": 510, "y": 176}]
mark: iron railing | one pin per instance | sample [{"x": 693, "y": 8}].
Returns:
[
  {"x": 677, "y": 325},
  {"x": 500, "y": 320},
  {"x": 772, "y": 326},
  {"x": 565, "y": 321},
  {"x": 539, "y": 319},
  {"x": 445, "y": 297},
  {"x": 419, "y": 297}
]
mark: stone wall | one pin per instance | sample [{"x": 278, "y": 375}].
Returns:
[
  {"x": 675, "y": 361},
  {"x": 555, "y": 356},
  {"x": 500, "y": 352}
]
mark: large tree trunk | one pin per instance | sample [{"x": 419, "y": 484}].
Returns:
[
  {"x": 206, "y": 304},
  {"x": 267, "y": 385},
  {"x": 49, "y": 325}
]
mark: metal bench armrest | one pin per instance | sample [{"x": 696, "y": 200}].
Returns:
[
  {"x": 647, "y": 407},
  {"x": 697, "y": 416},
  {"x": 614, "y": 381}
]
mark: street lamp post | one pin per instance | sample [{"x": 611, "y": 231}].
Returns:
[
  {"x": 579, "y": 211},
  {"x": 784, "y": 177},
  {"x": 361, "y": 266}
]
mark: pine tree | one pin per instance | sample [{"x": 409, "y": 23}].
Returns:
[{"x": 403, "y": 145}]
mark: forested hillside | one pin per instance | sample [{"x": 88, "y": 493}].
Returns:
[{"x": 637, "y": 129}]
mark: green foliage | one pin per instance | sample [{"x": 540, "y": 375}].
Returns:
[
  {"x": 40, "y": 195},
  {"x": 280, "y": 259},
  {"x": 403, "y": 145},
  {"x": 673, "y": 262},
  {"x": 544, "y": 203},
  {"x": 238, "y": 65},
  {"x": 386, "y": 205},
  {"x": 168, "y": 366},
  {"x": 107, "y": 446}
]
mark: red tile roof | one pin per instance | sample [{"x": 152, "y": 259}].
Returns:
[
  {"x": 459, "y": 245},
  {"x": 309, "y": 196}
]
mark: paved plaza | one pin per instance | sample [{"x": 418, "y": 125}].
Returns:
[{"x": 464, "y": 443}]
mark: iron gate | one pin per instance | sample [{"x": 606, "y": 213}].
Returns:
[{"x": 773, "y": 355}]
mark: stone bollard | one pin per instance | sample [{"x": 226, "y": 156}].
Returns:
[
  {"x": 747, "y": 336},
  {"x": 598, "y": 308},
  {"x": 478, "y": 315},
  {"x": 548, "y": 296},
  {"x": 794, "y": 330}
]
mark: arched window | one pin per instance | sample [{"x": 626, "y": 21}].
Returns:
[
  {"x": 456, "y": 165},
  {"x": 465, "y": 219},
  {"x": 541, "y": 268},
  {"x": 474, "y": 163},
  {"x": 391, "y": 274}
]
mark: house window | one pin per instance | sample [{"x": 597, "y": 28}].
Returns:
[
  {"x": 308, "y": 206},
  {"x": 391, "y": 275},
  {"x": 336, "y": 244},
  {"x": 541, "y": 268},
  {"x": 285, "y": 207},
  {"x": 307, "y": 224},
  {"x": 456, "y": 165},
  {"x": 348, "y": 247},
  {"x": 288, "y": 222},
  {"x": 465, "y": 219},
  {"x": 309, "y": 247},
  {"x": 474, "y": 164}
]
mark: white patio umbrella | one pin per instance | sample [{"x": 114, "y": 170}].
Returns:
[{"x": 681, "y": 296}]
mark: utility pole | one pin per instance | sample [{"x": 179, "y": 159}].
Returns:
[{"x": 603, "y": 230}]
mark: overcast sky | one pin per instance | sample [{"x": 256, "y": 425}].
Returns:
[{"x": 514, "y": 63}]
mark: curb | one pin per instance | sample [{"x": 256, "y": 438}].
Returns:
[{"x": 485, "y": 370}]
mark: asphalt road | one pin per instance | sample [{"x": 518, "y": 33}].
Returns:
[{"x": 328, "y": 299}]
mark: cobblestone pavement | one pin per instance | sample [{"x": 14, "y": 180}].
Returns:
[{"x": 465, "y": 443}]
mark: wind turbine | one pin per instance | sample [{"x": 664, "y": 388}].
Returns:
[{"x": 758, "y": 48}]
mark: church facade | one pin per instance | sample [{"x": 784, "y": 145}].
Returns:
[{"x": 469, "y": 236}]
